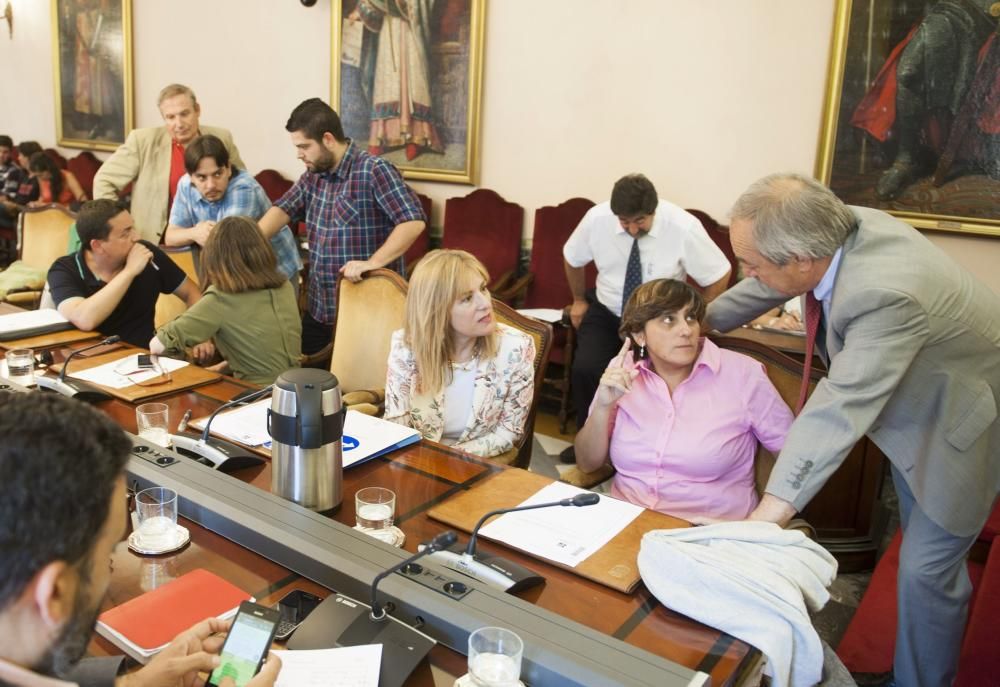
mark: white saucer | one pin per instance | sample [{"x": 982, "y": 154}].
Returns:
[
  {"x": 180, "y": 538},
  {"x": 393, "y": 536}
]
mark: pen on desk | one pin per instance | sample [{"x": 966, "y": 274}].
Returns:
[{"x": 183, "y": 424}]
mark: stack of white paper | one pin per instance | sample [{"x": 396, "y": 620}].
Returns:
[
  {"x": 566, "y": 535},
  {"x": 350, "y": 666},
  {"x": 124, "y": 372}
]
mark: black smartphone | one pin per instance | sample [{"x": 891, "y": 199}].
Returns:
[
  {"x": 145, "y": 362},
  {"x": 294, "y": 607},
  {"x": 246, "y": 644}
]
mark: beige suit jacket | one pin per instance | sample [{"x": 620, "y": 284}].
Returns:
[
  {"x": 913, "y": 343},
  {"x": 144, "y": 158}
]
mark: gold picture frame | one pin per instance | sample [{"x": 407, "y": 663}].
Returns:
[
  {"x": 92, "y": 63},
  {"x": 436, "y": 50},
  {"x": 935, "y": 168}
]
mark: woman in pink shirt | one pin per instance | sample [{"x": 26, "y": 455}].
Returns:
[{"x": 681, "y": 420}]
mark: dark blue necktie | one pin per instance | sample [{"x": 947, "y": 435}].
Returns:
[{"x": 633, "y": 273}]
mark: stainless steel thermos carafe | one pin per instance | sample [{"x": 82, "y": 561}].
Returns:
[{"x": 306, "y": 423}]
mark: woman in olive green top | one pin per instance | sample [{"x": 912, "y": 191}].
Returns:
[{"x": 248, "y": 307}]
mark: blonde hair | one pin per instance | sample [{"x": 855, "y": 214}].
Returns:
[
  {"x": 438, "y": 280},
  {"x": 176, "y": 89},
  {"x": 238, "y": 258}
]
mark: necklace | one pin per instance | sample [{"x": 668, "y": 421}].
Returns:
[{"x": 465, "y": 366}]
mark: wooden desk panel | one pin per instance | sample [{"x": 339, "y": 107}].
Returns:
[{"x": 422, "y": 476}]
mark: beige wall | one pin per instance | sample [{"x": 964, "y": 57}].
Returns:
[{"x": 703, "y": 96}]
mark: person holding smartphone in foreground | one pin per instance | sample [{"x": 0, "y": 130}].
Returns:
[{"x": 62, "y": 512}]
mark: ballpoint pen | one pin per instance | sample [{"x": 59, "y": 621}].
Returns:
[{"x": 182, "y": 425}]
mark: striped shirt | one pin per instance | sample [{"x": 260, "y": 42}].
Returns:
[
  {"x": 243, "y": 196},
  {"x": 349, "y": 213}
]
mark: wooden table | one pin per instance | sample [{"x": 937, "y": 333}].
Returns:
[{"x": 421, "y": 475}]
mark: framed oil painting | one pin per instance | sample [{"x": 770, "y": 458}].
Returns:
[
  {"x": 92, "y": 59},
  {"x": 912, "y": 117},
  {"x": 407, "y": 82}
]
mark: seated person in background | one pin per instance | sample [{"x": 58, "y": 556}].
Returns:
[
  {"x": 455, "y": 374},
  {"x": 213, "y": 189},
  {"x": 20, "y": 188},
  {"x": 249, "y": 308},
  {"x": 55, "y": 571},
  {"x": 681, "y": 425},
  {"x": 111, "y": 284},
  {"x": 788, "y": 318},
  {"x": 54, "y": 185}
]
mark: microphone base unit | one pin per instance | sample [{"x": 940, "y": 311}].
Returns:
[
  {"x": 215, "y": 453},
  {"x": 81, "y": 391},
  {"x": 340, "y": 621},
  {"x": 494, "y": 571}
]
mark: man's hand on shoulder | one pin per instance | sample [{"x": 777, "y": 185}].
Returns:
[
  {"x": 137, "y": 259},
  {"x": 355, "y": 269}
]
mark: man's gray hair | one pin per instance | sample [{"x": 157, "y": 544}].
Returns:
[
  {"x": 794, "y": 216},
  {"x": 175, "y": 89}
]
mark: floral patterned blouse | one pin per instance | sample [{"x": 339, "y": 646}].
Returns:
[{"x": 502, "y": 397}]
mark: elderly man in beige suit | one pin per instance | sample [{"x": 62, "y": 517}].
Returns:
[
  {"x": 913, "y": 346},
  {"x": 153, "y": 157}
]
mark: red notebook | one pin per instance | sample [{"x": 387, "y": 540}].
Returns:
[{"x": 147, "y": 623}]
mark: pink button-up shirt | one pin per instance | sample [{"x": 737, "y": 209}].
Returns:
[{"x": 692, "y": 454}]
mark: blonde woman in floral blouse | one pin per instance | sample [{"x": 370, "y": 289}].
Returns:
[{"x": 455, "y": 374}]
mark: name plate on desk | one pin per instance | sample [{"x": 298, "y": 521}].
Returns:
[{"x": 613, "y": 565}]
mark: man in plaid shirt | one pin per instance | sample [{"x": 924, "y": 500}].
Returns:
[
  {"x": 359, "y": 213},
  {"x": 213, "y": 189}
]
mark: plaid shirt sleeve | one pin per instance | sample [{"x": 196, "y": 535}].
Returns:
[
  {"x": 283, "y": 243},
  {"x": 397, "y": 200},
  {"x": 181, "y": 213},
  {"x": 293, "y": 203}
]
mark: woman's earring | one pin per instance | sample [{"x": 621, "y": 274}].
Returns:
[{"x": 642, "y": 351}]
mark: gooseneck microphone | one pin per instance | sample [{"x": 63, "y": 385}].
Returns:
[
  {"x": 215, "y": 452},
  {"x": 588, "y": 499},
  {"x": 441, "y": 541},
  {"x": 496, "y": 571},
  {"x": 110, "y": 340},
  {"x": 75, "y": 388}
]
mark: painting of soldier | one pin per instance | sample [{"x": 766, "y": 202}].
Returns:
[{"x": 917, "y": 126}]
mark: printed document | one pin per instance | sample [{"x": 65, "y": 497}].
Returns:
[
  {"x": 567, "y": 534},
  {"x": 124, "y": 372},
  {"x": 351, "y": 666}
]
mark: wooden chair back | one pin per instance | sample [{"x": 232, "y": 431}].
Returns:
[
  {"x": 43, "y": 234},
  {"x": 541, "y": 332},
  {"x": 169, "y": 306},
  {"x": 368, "y": 312},
  {"x": 489, "y": 227}
]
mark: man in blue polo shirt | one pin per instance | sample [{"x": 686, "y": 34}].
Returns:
[
  {"x": 359, "y": 213},
  {"x": 213, "y": 189}
]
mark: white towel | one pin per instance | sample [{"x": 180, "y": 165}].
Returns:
[{"x": 753, "y": 580}]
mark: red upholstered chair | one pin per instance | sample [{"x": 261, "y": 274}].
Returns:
[
  {"x": 720, "y": 234},
  {"x": 419, "y": 247},
  {"x": 56, "y": 157},
  {"x": 489, "y": 227},
  {"x": 548, "y": 289},
  {"x": 274, "y": 184},
  {"x": 84, "y": 167}
]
